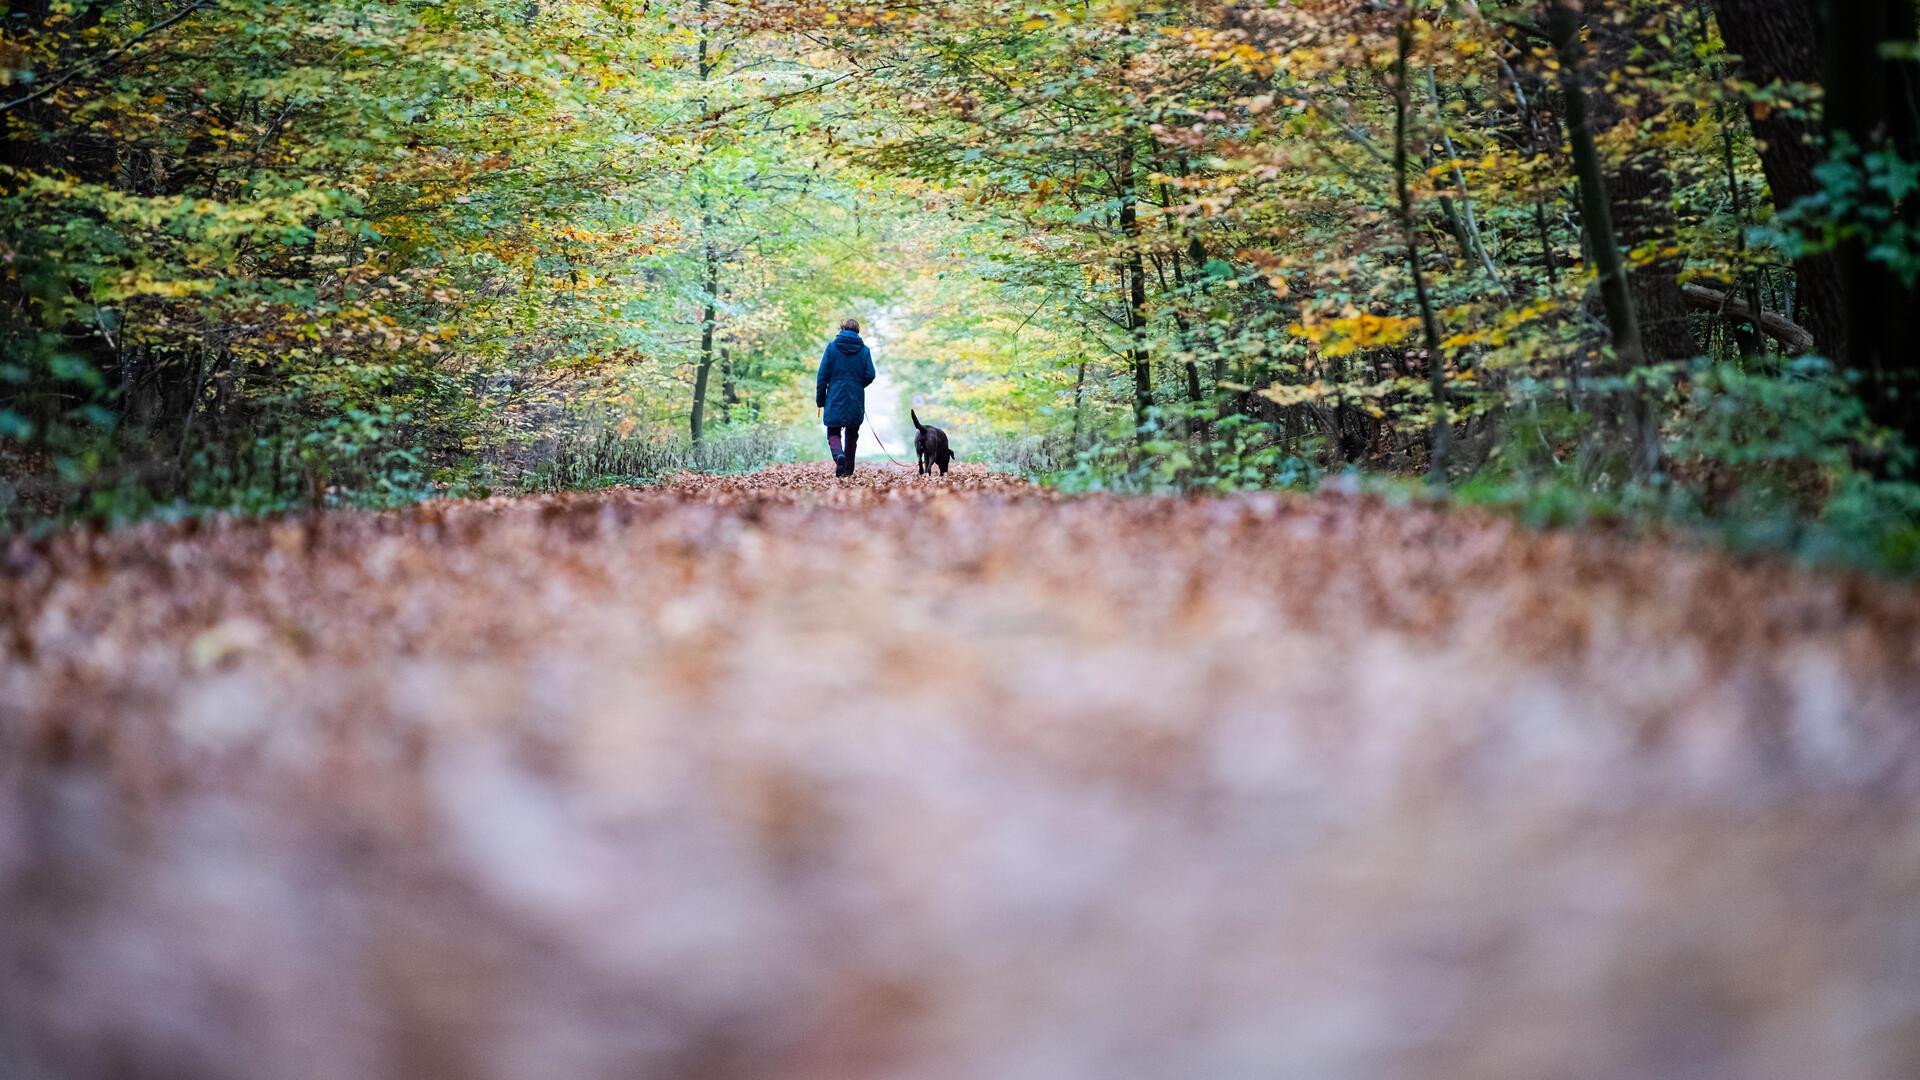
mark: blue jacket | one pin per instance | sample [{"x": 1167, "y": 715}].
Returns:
[{"x": 845, "y": 373}]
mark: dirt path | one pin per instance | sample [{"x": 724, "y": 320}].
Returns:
[{"x": 770, "y": 777}]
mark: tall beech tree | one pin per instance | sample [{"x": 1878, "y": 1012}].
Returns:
[
  {"x": 1778, "y": 46},
  {"x": 1873, "y": 110}
]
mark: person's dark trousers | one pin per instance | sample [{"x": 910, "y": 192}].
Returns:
[{"x": 844, "y": 442}]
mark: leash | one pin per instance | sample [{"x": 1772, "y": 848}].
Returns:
[{"x": 883, "y": 449}]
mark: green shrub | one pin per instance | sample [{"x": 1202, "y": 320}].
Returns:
[{"x": 1191, "y": 450}]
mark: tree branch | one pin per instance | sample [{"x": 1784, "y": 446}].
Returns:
[
  {"x": 1796, "y": 339},
  {"x": 117, "y": 51}
]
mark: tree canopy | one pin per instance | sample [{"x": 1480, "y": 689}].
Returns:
[{"x": 1653, "y": 252}]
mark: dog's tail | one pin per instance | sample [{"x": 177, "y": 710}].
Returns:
[{"x": 917, "y": 425}]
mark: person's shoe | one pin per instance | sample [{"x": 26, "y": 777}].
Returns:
[{"x": 839, "y": 465}]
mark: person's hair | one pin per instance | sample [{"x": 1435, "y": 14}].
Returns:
[{"x": 851, "y": 324}]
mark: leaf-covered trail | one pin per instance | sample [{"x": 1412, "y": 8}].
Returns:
[{"x": 773, "y": 777}]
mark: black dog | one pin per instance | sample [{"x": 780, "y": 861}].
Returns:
[{"x": 931, "y": 444}]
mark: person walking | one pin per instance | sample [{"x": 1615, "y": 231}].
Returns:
[{"x": 840, "y": 392}]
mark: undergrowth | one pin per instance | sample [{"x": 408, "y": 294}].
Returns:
[
  {"x": 1780, "y": 460},
  {"x": 1191, "y": 450},
  {"x": 606, "y": 457}
]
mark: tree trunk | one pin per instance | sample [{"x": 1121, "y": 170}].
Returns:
[
  {"x": 1429, "y": 322},
  {"x": 1136, "y": 274},
  {"x": 729, "y": 387},
  {"x": 707, "y": 324},
  {"x": 1779, "y": 41},
  {"x": 711, "y": 279},
  {"x": 1548, "y": 261},
  {"x": 1747, "y": 336},
  {"x": 1079, "y": 393},
  {"x": 1640, "y": 196},
  {"x": 1196, "y": 253},
  {"x": 1194, "y": 393},
  {"x": 1871, "y": 102},
  {"x": 1472, "y": 245},
  {"x": 1616, "y": 296}
]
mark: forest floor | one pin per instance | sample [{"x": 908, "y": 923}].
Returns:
[{"x": 779, "y": 777}]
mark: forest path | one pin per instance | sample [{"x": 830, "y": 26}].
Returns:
[{"x": 778, "y": 777}]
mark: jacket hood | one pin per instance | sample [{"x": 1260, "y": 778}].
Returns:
[{"x": 849, "y": 342}]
